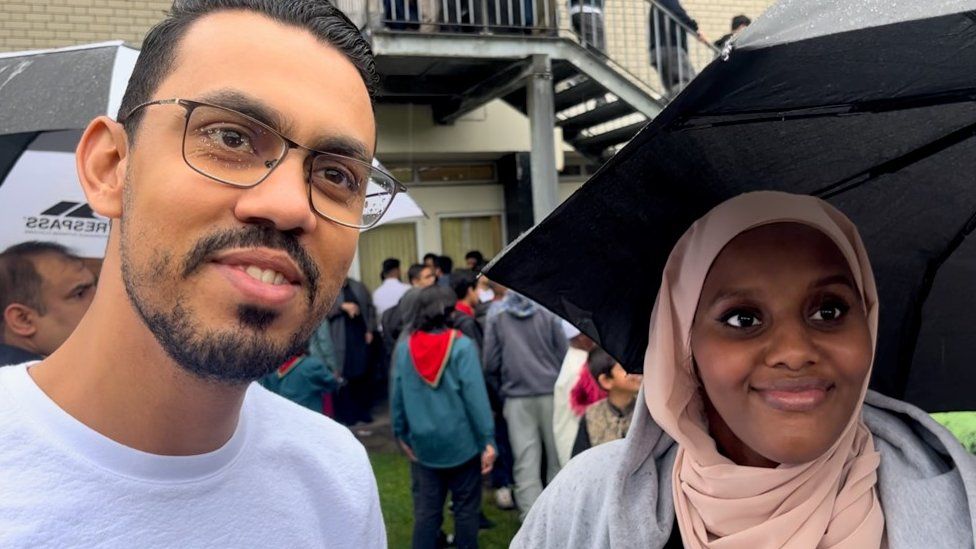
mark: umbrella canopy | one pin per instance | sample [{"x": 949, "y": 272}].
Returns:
[
  {"x": 46, "y": 98},
  {"x": 870, "y": 105}
]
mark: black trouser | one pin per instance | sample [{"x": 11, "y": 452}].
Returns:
[
  {"x": 353, "y": 401},
  {"x": 430, "y": 486}
]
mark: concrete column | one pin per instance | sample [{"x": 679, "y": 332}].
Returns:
[{"x": 542, "y": 121}]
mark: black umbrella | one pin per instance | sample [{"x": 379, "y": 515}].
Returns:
[
  {"x": 61, "y": 89},
  {"x": 869, "y": 104}
]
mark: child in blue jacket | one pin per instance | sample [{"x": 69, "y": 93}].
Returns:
[{"x": 442, "y": 420}]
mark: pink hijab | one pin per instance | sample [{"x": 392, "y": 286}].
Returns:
[{"x": 829, "y": 502}]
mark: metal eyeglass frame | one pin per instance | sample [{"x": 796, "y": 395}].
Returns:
[{"x": 190, "y": 105}]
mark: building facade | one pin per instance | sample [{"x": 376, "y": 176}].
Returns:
[{"x": 460, "y": 173}]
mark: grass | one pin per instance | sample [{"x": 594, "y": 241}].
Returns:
[{"x": 393, "y": 478}]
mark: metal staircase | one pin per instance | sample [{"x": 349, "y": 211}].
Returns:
[{"x": 457, "y": 55}]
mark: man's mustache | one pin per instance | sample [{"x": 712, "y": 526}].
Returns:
[{"x": 255, "y": 236}]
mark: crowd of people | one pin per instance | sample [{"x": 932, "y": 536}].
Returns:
[{"x": 482, "y": 381}]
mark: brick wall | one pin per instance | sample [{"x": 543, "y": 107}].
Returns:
[{"x": 37, "y": 24}]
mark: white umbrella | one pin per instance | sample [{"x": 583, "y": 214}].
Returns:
[{"x": 403, "y": 208}]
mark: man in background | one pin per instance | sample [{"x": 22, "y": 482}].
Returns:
[
  {"x": 465, "y": 285},
  {"x": 524, "y": 349},
  {"x": 475, "y": 260},
  {"x": 739, "y": 24},
  {"x": 44, "y": 292},
  {"x": 668, "y": 42},
  {"x": 443, "y": 265},
  {"x": 391, "y": 290},
  {"x": 352, "y": 322}
]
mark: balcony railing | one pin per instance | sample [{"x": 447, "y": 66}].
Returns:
[{"x": 652, "y": 46}]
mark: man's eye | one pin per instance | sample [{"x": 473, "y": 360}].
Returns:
[
  {"x": 230, "y": 139},
  {"x": 740, "y": 319}
]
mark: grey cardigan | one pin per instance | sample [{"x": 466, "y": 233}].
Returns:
[{"x": 619, "y": 494}]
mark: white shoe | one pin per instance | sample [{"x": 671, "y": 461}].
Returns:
[{"x": 503, "y": 498}]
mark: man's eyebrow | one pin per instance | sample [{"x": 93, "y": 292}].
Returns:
[
  {"x": 245, "y": 104},
  {"x": 345, "y": 146},
  {"x": 82, "y": 286}
]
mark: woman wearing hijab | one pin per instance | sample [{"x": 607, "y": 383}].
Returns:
[{"x": 758, "y": 429}]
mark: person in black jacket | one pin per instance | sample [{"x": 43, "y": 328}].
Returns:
[{"x": 668, "y": 43}]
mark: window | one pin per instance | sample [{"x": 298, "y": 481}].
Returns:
[
  {"x": 459, "y": 235},
  {"x": 397, "y": 240}
]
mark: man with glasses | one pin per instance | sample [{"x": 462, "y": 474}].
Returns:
[{"x": 237, "y": 180}]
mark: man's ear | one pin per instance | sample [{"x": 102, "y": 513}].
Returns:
[
  {"x": 101, "y": 161},
  {"x": 605, "y": 382},
  {"x": 19, "y": 319}
]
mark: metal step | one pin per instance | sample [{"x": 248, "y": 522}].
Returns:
[
  {"x": 595, "y": 144},
  {"x": 561, "y": 70},
  {"x": 604, "y": 113},
  {"x": 588, "y": 89}
]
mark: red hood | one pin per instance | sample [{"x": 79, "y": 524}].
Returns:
[
  {"x": 464, "y": 308},
  {"x": 430, "y": 352},
  {"x": 585, "y": 393}
]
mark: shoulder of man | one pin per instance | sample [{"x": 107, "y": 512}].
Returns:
[{"x": 282, "y": 424}]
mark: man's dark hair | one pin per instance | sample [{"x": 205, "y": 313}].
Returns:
[
  {"x": 161, "y": 46},
  {"x": 434, "y": 306},
  {"x": 432, "y": 257},
  {"x": 463, "y": 280},
  {"x": 444, "y": 263},
  {"x": 479, "y": 259},
  {"x": 600, "y": 363},
  {"x": 389, "y": 264},
  {"x": 740, "y": 21},
  {"x": 413, "y": 273},
  {"x": 19, "y": 280}
]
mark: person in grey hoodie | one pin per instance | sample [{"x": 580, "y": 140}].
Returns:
[
  {"x": 756, "y": 427},
  {"x": 524, "y": 349}
]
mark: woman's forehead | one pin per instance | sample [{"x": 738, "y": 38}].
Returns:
[{"x": 782, "y": 251}]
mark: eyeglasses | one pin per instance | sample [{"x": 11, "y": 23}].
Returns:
[{"x": 232, "y": 148}]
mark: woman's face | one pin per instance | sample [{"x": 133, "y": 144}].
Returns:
[{"x": 781, "y": 344}]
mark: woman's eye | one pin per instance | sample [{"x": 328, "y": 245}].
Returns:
[
  {"x": 742, "y": 320},
  {"x": 829, "y": 313}
]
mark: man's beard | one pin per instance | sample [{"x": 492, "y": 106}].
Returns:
[{"x": 239, "y": 353}]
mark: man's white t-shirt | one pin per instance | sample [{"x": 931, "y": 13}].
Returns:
[
  {"x": 388, "y": 294},
  {"x": 288, "y": 477}
]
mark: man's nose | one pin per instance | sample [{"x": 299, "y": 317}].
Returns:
[{"x": 281, "y": 200}]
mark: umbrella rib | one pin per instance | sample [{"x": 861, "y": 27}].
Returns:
[
  {"x": 897, "y": 163},
  {"x": 845, "y": 109},
  {"x": 906, "y": 351}
]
